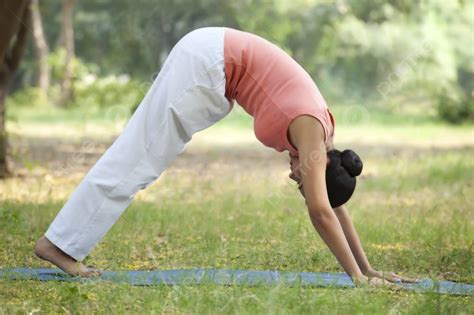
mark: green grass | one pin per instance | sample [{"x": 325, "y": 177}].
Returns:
[
  {"x": 232, "y": 206},
  {"x": 210, "y": 299}
]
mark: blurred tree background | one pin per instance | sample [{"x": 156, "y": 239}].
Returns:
[
  {"x": 401, "y": 53},
  {"x": 409, "y": 57}
]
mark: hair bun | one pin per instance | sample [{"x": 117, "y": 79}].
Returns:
[{"x": 351, "y": 162}]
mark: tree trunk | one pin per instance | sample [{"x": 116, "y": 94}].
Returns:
[
  {"x": 4, "y": 171},
  {"x": 42, "y": 49},
  {"x": 14, "y": 25},
  {"x": 67, "y": 88}
]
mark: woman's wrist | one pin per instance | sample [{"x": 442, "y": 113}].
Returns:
[
  {"x": 371, "y": 272},
  {"x": 366, "y": 270},
  {"x": 357, "y": 275},
  {"x": 359, "y": 279}
]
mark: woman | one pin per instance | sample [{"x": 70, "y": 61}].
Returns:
[{"x": 204, "y": 73}]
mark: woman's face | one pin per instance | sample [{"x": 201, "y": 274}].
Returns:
[
  {"x": 295, "y": 173},
  {"x": 295, "y": 169}
]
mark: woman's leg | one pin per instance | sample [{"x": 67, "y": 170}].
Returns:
[{"x": 187, "y": 96}]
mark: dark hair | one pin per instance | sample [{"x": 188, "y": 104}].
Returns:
[{"x": 341, "y": 175}]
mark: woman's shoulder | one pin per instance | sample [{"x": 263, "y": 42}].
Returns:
[{"x": 306, "y": 132}]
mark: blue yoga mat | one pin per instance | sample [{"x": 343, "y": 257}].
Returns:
[{"x": 227, "y": 277}]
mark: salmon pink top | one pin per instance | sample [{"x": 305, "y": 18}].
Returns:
[{"x": 272, "y": 87}]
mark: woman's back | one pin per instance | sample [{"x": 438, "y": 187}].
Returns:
[{"x": 270, "y": 86}]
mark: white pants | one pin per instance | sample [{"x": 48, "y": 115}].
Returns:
[{"x": 187, "y": 96}]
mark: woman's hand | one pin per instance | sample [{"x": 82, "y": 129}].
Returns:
[
  {"x": 389, "y": 276},
  {"x": 364, "y": 281}
]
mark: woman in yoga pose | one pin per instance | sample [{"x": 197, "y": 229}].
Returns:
[{"x": 204, "y": 73}]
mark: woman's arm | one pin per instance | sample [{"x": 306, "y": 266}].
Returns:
[
  {"x": 307, "y": 135},
  {"x": 358, "y": 251},
  {"x": 352, "y": 238}
]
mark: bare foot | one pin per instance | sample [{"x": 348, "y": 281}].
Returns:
[{"x": 46, "y": 250}]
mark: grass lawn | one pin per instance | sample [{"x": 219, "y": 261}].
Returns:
[{"x": 227, "y": 202}]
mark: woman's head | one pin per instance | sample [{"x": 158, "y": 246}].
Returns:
[{"x": 341, "y": 172}]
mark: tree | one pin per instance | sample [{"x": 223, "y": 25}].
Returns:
[
  {"x": 14, "y": 25},
  {"x": 67, "y": 88},
  {"x": 42, "y": 49}
]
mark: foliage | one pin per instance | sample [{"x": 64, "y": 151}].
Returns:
[
  {"x": 109, "y": 91},
  {"x": 27, "y": 97},
  {"x": 455, "y": 108},
  {"x": 396, "y": 52},
  {"x": 90, "y": 89}
]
